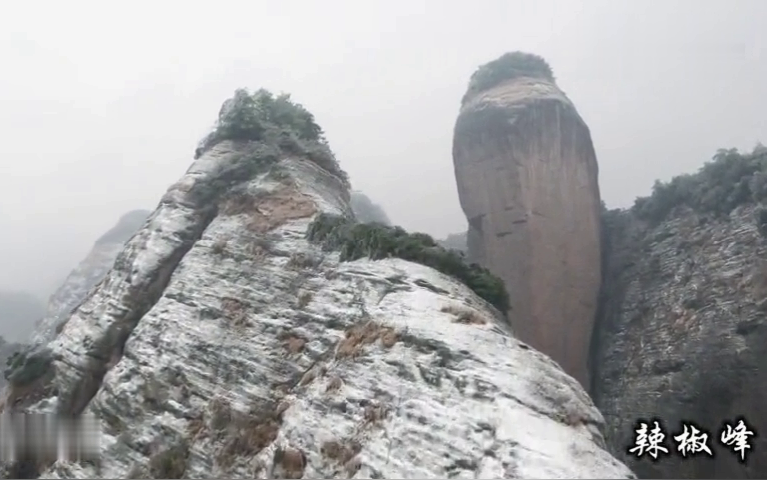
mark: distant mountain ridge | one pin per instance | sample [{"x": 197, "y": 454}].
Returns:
[
  {"x": 89, "y": 272},
  {"x": 19, "y": 313}
]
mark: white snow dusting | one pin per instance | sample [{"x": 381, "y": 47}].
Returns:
[{"x": 371, "y": 369}]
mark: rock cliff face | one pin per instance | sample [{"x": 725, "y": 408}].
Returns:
[
  {"x": 527, "y": 181},
  {"x": 89, "y": 272},
  {"x": 223, "y": 343},
  {"x": 682, "y": 334}
]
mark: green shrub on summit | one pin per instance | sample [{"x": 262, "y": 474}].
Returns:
[
  {"x": 507, "y": 67},
  {"x": 274, "y": 121},
  {"x": 377, "y": 241},
  {"x": 729, "y": 180}
]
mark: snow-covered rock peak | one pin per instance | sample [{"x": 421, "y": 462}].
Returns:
[{"x": 224, "y": 344}]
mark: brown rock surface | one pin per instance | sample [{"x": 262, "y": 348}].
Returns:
[{"x": 527, "y": 181}]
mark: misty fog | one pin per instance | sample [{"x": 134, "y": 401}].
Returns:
[{"x": 102, "y": 106}]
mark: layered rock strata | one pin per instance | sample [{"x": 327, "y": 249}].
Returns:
[
  {"x": 527, "y": 180},
  {"x": 224, "y": 344},
  {"x": 88, "y": 273},
  {"x": 682, "y": 336}
]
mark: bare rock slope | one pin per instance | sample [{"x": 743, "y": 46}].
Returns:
[
  {"x": 89, "y": 272},
  {"x": 682, "y": 332},
  {"x": 527, "y": 180},
  {"x": 223, "y": 343}
]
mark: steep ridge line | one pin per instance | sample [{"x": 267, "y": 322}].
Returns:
[
  {"x": 86, "y": 276},
  {"x": 199, "y": 196},
  {"x": 152, "y": 256}
]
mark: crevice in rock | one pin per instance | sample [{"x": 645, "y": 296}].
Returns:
[
  {"x": 476, "y": 222},
  {"x": 429, "y": 286},
  {"x": 749, "y": 326},
  {"x": 665, "y": 366},
  {"x": 614, "y": 231}
]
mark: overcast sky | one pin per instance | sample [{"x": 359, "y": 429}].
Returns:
[{"x": 102, "y": 105}]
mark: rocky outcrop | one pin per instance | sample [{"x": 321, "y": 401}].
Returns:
[
  {"x": 366, "y": 211},
  {"x": 527, "y": 181},
  {"x": 89, "y": 272},
  {"x": 223, "y": 343},
  {"x": 7, "y": 350},
  {"x": 681, "y": 334}
]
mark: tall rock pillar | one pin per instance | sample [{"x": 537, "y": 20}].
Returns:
[{"x": 527, "y": 180}]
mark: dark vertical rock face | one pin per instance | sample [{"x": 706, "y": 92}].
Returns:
[
  {"x": 682, "y": 336},
  {"x": 527, "y": 181}
]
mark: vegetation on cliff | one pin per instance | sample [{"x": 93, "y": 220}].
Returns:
[
  {"x": 507, "y": 67},
  {"x": 730, "y": 179},
  {"x": 26, "y": 366},
  {"x": 377, "y": 241},
  {"x": 274, "y": 121}
]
